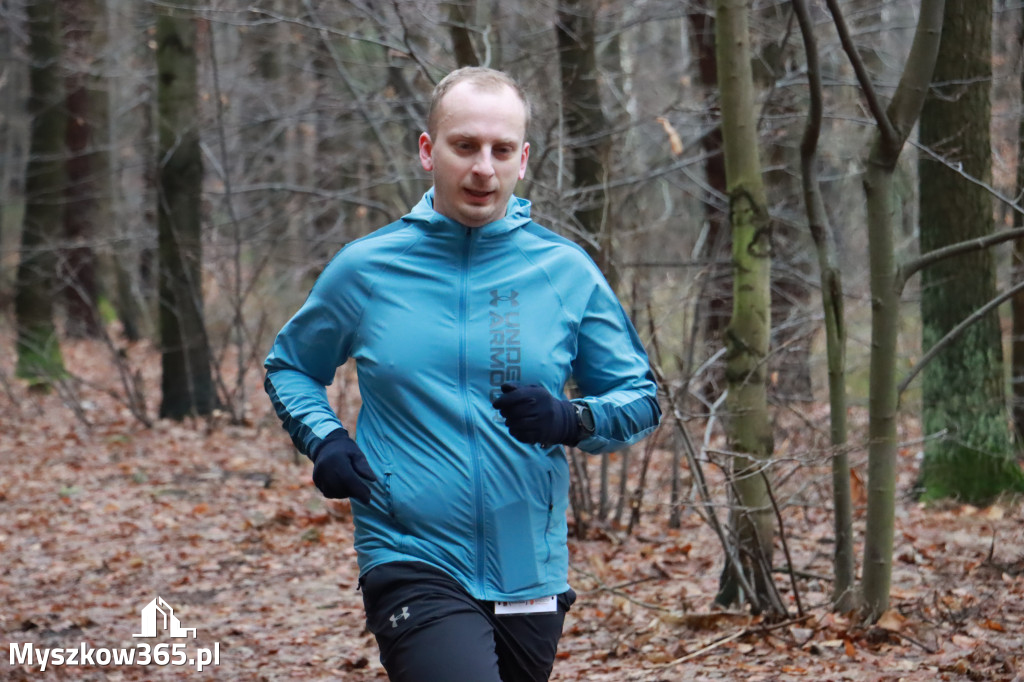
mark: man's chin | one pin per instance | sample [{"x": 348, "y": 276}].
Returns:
[{"x": 477, "y": 216}]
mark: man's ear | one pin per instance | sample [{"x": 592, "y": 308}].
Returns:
[
  {"x": 426, "y": 151},
  {"x": 523, "y": 160}
]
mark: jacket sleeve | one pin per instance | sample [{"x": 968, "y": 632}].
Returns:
[
  {"x": 307, "y": 352},
  {"x": 614, "y": 374}
]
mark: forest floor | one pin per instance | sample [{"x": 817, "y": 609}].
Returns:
[{"x": 99, "y": 515}]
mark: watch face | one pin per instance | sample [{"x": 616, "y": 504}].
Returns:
[{"x": 585, "y": 417}]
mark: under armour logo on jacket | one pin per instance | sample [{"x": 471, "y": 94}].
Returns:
[
  {"x": 510, "y": 299},
  {"x": 403, "y": 615}
]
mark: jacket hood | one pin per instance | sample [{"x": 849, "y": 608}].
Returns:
[{"x": 517, "y": 214}]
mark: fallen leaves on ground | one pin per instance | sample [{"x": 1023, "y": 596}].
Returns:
[{"x": 99, "y": 515}]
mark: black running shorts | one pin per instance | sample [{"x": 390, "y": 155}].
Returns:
[{"x": 429, "y": 629}]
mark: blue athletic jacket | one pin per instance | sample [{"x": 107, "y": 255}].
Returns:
[{"x": 437, "y": 316}]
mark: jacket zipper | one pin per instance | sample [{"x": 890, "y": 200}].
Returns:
[{"x": 478, "y": 484}]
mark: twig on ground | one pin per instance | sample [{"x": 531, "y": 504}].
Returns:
[
  {"x": 924, "y": 647},
  {"x": 760, "y": 629},
  {"x": 601, "y": 587},
  {"x": 703, "y": 650}
]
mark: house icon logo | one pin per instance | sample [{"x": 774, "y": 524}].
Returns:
[{"x": 158, "y": 615}]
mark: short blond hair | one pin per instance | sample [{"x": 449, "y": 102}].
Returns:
[{"x": 481, "y": 77}]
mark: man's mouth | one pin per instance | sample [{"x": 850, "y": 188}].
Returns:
[{"x": 479, "y": 194}]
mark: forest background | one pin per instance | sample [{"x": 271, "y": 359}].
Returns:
[{"x": 174, "y": 176}]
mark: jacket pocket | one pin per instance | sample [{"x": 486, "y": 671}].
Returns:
[
  {"x": 550, "y": 500},
  {"x": 385, "y": 481},
  {"x": 389, "y": 498},
  {"x": 556, "y": 550},
  {"x": 516, "y": 526}
]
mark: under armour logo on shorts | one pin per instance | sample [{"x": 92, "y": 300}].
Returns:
[{"x": 403, "y": 615}]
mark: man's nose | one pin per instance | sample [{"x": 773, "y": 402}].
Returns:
[{"x": 484, "y": 163}]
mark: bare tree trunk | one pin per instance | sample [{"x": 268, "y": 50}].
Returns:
[
  {"x": 588, "y": 142},
  {"x": 791, "y": 294},
  {"x": 460, "y": 14},
  {"x": 14, "y": 137},
  {"x": 84, "y": 22},
  {"x": 187, "y": 383},
  {"x": 893, "y": 127},
  {"x": 39, "y": 356},
  {"x": 715, "y": 300},
  {"x": 1017, "y": 371},
  {"x": 748, "y": 428},
  {"x": 844, "y": 595},
  {"x": 133, "y": 227},
  {"x": 620, "y": 505},
  {"x": 675, "y": 514},
  {"x": 976, "y": 461},
  {"x": 586, "y": 128}
]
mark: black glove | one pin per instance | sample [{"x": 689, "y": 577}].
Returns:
[
  {"x": 340, "y": 468},
  {"x": 533, "y": 415}
]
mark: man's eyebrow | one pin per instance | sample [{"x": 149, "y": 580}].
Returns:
[{"x": 464, "y": 135}]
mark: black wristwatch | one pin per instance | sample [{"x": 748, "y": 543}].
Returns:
[{"x": 584, "y": 419}]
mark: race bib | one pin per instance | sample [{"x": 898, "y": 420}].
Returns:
[{"x": 541, "y": 605}]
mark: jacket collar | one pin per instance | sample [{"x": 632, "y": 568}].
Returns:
[{"x": 516, "y": 215}]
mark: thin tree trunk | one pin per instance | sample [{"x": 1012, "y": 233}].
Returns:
[
  {"x": 882, "y": 401},
  {"x": 588, "y": 141},
  {"x": 893, "y": 127},
  {"x": 748, "y": 429},
  {"x": 187, "y": 383},
  {"x": 39, "y": 356},
  {"x": 586, "y": 127},
  {"x": 133, "y": 262},
  {"x": 620, "y": 506},
  {"x": 715, "y": 300},
  {"x": 675, "y": 513},
  {"x": 460, "y": 13},
  {"x": 789, "y": 364},
  {"x": 13, "y": 138},
  {"x": 843, "y": 595},
  {"x": 83, "y": 31}
]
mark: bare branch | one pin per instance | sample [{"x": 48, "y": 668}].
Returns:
[
  {"x": 910, "y": 268},
  {"x": 354, "y": 36},
  {"x": 1013, "y": 204},
  {"x": 708, "y": 510},
  {"x": 339, "y": 66},
  {"x": 874, "y": 104},
  {"x": 956, "y": 331}
]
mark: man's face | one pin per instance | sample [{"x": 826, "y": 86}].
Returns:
[{"x": 477, "y": 153}]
